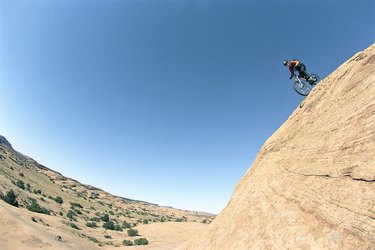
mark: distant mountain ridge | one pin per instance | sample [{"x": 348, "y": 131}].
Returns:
[
  {"x": 55, "y": 203},
  {"x": 59, "y": 177},
  {"x": 5, "y": 142}
]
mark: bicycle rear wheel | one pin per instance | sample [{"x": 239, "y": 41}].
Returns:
[{"x": 301, "y": 88}]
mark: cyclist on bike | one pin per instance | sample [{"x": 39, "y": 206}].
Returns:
[{"x": 294, "y": 65}]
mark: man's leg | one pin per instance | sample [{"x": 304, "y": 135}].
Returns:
[{"x": 303, "y": 73}]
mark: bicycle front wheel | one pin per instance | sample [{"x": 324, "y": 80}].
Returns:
[
  {"x": 301, "y": 88},
  {"x": 315, "y": 79}
]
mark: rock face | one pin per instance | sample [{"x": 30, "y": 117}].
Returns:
[{"x": 312, "y": 185}]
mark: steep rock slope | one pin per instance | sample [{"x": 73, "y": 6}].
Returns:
[{"x": 312, "y": 185}]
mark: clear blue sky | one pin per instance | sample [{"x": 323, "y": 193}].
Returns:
[{"x": 166, "y": 101}]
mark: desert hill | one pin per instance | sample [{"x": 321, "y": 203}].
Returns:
[
  {"x": 51, "y": 211},
  {"x": 312, "y": 184}
]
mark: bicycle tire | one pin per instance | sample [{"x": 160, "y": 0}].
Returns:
[
  {"x": 301, "y": 88},
  {"x": 316, "y": 79}
]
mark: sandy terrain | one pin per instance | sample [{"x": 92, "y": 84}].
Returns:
[
  {"x": 19, "y": 232},
  {"x": 85, "y": 217},
  {"x": 168, "y": 235}
]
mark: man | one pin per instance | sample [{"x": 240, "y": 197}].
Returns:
[{"x": 294, "y": 65}]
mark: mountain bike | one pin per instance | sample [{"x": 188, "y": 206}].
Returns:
[{"x": 303, "y": 86}]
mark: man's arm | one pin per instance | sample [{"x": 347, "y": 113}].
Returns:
[
  {"x": 295, "y": 63},
  {"x": 291, "y": 69}
]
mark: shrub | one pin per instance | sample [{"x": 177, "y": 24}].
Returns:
[
  {"x": 35, "y": 207},
  {"x": 105, "y": 218},
  {"x": 58, "y": 199},
  {"x": 145, "y": 221},
  {"x": 108, "y": 236},
  {"x": 95, "y": 219},
  {"x": 128, "y": 243},
  {"x": 109, "y": 225},
  {"x": 141, "y": 241},
  {"x": 126, "y": 225},
  {"x": 118, "y": 228},
  {"x": 37, "y": 191},
  {"x": 93, "y": 239},
  {"x": 132, "y": 232},
  {"x": 74, "y": 204},
  {"x": 21, "y": 174},
  {"x": 20, "y": 184},
  {"x": 71, "y": 214},
  {"x": 91, "y": 224},
  {"x": 77, "y": 211},
  {"x": 74, "y": 226},
  {"x": 10, "y": 198}
]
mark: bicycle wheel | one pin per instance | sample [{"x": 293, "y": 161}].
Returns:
[
  {"x": 301, "y": 88},
  {"x": 315, "y": 79}
]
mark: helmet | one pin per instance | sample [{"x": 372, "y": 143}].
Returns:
[{"x": 285, "y": 62}]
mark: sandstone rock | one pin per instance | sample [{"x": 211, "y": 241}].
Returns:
[{"x": 312, "y": 185}]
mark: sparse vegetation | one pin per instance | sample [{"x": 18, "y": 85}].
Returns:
[
  {"x": 71, "y": 214},
  {"x": 110, "y": 225},
  {"x": 105, "y": 218},
  {"x": 20, "y": 184},
  {"x": 58, "y": 199},
  {"x": 132, "y": 232},
  {"x": 66, "y": 198},
  {"x": 10, "y": 198},
  {"x": 35, "y": 207},
  {"x": 77, "y": 211},
  {"x": 126, "y": 225},
  {"x": 74, "y": 226},
  {"x": 97, "y": 219},
  {"x": 128, "y": 243},
  {"x": 93, "y": 239},
  {"x": 141, "y": 241},
  {"x": 37, "y": 191},
  {"x": 74, "y": 204},
  {"x": 91, "y": 224}
]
